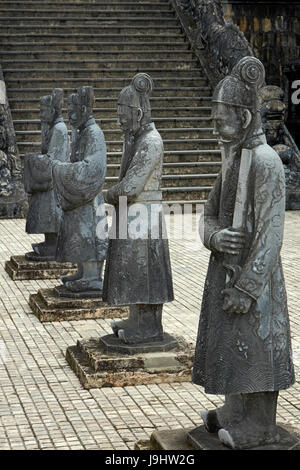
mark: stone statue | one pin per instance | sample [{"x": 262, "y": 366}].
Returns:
[
  {"x": 44, "y": 215},
  {"x": 138, "y": 271},
  {"x": 78, "y": 188},
  {"x": 243, "y": 349},
  {"x": 273, "y": 112},
  {"x": 6, "y": 187}
]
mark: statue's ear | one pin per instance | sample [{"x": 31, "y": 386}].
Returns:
[
  {"x": 83, "y": 109},
  {"x": 139, "y": 114},
  {"x": 247, "y": 118}
]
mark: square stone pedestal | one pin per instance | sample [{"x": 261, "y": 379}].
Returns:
[
  {"x": 19, "y": 268},
  {"x": 108, "y": 362},
  {"x": 199, "y": 439},
  {"x": 59, "y": 305}
]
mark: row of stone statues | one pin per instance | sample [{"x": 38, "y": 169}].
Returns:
[
  {"x": 243, "y": 348},
  {"x": 67, "y": 205}
]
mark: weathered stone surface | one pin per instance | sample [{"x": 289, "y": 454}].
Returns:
[
  {"x": 138, "y": 269},
  {"x": 96, "y": 369},
  {"x": 189, "y": 439},
  {"x": 112, "y": 344},
  {"x": 78, "y": 189},
  {"x": 13, "y": 200},
  {"x": 19, "y": 268},
  {"x": 62, "y": 291},
  {"x": 48, "y": 306}
]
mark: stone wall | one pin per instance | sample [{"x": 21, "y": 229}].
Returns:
[
  {"x": 13, "y": 200},
  {"x": 273, "y": 30}
]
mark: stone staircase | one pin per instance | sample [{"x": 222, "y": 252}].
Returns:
[{"x": 71, "y": 43}]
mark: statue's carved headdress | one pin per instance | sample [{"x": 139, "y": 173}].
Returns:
[
  {"x": 55, "y": 100},
  {"x": 240, "y": 88},
  {"x": 86, "y": 96},
  {"x": 136, "y": 95}
]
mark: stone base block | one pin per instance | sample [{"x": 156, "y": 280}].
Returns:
[
  {"x": 49, "y": 306},
  {"x": 19, "y": 269},
  {"x": 97, "y": 368},
  {"x": 200, "y": 439}
]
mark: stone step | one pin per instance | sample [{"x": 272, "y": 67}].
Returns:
[
  {"x": 186, "y": 193},
  {"x": 116, "y": 134},
  {"x": 78, "y": 23},
  {"x": 177, "y": 155},
  {"x": 85, "y": 76},
  {"x": 120, "y": 82},
  {"x": 116, "y": 28},
  {"x": 100, "y": 113},
  {"x": 159, "y": 101},
  {"x": 62, "y": 37},
  {"x": 116, "y": 146},
  {"x": 110, "y": 123},
  {"x": 85, "y": 14},
  {"x": 174, "y": 156},
  {"x": 27, "y": 93},
  {"x": 77, "y": 65},
  {"x": 28, "y": 58},
  {"x": 174, "y": 181},
  {"x": 175, "y": 169},
  {"x": 85, "y": 5},
  {"x": 98, "y": 47}
]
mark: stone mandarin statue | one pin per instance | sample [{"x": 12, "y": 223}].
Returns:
[
  {"x": 44, "y": 215},
  {"x": 243, "y": 349},
  {"x": 138, "y": 270},
  {"x": 78, "y": 188}
]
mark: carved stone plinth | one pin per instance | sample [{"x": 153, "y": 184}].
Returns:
[
  {"x": 19, "y": 268},
  {"x": 14, "y": 205},
  {"x": 200, "y": 439},
  {"x": 99, "y": 363},
  {"x": 49, "y": 305}
]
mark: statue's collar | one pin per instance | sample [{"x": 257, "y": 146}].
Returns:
[
  {"x": 57, "y": 120},
  {"x": 258, "y": 138},
  {"x": 143, "y": 129},
  {"x": 88, "y": 123}
]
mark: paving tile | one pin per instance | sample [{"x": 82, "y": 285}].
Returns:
[{"x": 42, "y": 404}]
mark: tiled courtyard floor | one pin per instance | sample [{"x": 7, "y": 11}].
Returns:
[{"x": 43, "y": 405}]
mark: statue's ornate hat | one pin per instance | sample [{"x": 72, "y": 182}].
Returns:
[
  {"x": 136, "y": 95},
  {"x": 240, "y": 88}
]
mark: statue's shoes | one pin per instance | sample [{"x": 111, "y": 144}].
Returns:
[
  {"x": 210, "y": 420},
  {"x": 71, "y": 277},
  {"x": 83, "y": 285},
  {"x": 41, "y": 249},
  {"x": 130, "y": 336},
  {"x": 243, "y": 437},
  {"x": 118, "y": 325}
]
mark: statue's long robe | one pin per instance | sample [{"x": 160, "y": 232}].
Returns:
[
  {"x": 138, "y": 270},
  {"x": 78, "y": 189},
  {"x": 245, "y": 353},
  {"x": 44, "y": 215}
]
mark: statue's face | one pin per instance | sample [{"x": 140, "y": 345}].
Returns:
[
  {"x": 129, "y": 119},
  {"x": 125, "y": 118},
  {"x": 73, "y": 113},
  {"x": 46, "y": 113},
  {"x": 228, "y": 123}
]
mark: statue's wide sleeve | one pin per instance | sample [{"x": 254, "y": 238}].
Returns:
[
  {"x": 59, "y": 146},
  {"x": 37, "y": 173},
  {"x": 78, "y": 183},
  {"x": 269, "y": 212},
  {"x": 142, "y": 165}
]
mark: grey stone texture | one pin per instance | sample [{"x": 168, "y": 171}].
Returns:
[
  {"x": 78, "y": 188},
  {"x": 44, "y": 215},
  {"x": 138, "y": 269},
  {"x": 243, "y": 348}
]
